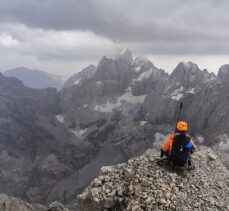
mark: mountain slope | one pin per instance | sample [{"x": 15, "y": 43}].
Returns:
[
  {"x": 13, "y": 204},
  {"x": 77, "y": 78},
  {"x": 37, "y": 152},
  {"x": 34, "y": 78},
  {"x": 141, "y": 184}
]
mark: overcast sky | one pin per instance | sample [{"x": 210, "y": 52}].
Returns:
[{"x": 63, "y": 36}]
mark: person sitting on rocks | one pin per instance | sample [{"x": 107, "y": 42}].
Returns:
[{"x": 179, "y": 147}]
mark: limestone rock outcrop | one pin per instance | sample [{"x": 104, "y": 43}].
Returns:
[{"x": 142, "y": 184}]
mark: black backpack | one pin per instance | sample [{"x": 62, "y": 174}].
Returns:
[{"x": 180, "y": 153}]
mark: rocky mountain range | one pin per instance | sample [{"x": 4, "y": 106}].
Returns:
[
  {"x": 53, "y": 144},
  {"x": 133, "y": 99},
  {"x": 36, "y": 78},
  {"x": 38, "y": 154}
]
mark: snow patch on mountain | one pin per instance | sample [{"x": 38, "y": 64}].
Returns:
[
  {"x": 129, "y": 97},
  {"x": 137, "y": 69},
  {"x": 209, "y": 78},
  {"x": 142, "y": 123},
  {"x": 177, "y": 94},
  {"x": 78, "y": 132},
  {"x": 124, "y": 55},
  {"x": 86, "y": 73},
  {"x": 60, "y": 118},
  {"x": 187, "y": 65},
  {"x": 141, "y": 61},
  {"x": 76, "y": 82},
  {"x": 126, "y": 97},
  {"x": 191, "y": 91},
  {"x": 145, "y": 75},
  {"x": 224, "y": 143},
  {"x": 106, "y": 108}
]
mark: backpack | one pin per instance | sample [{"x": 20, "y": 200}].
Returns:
[{"x": 180, "y": 152}]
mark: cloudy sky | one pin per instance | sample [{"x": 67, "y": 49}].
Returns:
[{"x": 63, "y": 36}]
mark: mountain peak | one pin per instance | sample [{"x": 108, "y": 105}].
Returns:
[
  {"x": 125, "y": 55},
  {"x": 223, "y": 73},
  {"x": 184, "y": 70},
  {"x": 141, "y": 184},
  {"x": 86, "y": 73},
  {"x": 142, "y": 61},
  {"x": 188, "y": 65},
  {"x": 34, "y": 78}
]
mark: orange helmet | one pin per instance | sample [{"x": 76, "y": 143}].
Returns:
[{"x": 182, "y": 126}]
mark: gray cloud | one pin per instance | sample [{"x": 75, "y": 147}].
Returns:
[
  {"x": 50, "y": 44},
  {"x": 87, "y": 29},
  {"x": 124, "y": 20}
]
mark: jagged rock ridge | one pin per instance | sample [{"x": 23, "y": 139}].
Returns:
[
  {"x": 116, "y": 85},
  {"x": 140, "y": 184}
]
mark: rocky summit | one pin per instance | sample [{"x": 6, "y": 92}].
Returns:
[{"x": 142, "y": 184}]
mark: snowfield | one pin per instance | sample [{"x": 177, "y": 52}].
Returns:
[
  {"x": 126, "y": 97},
  {"x": 177, "y": 94},
  {"x": 145, "y": 75},
  {"x": 78, "y": 132},
  {"x": 60, "y": 118}
]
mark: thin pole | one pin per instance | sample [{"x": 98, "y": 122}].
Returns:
[{"x": 178, "y": 118}]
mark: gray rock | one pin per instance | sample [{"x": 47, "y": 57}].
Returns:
[
  {"x": 167, "y": 191},
  {"x": 212, "y": 156},
  {"x": 128, "y": 173},
  {"x": 14, "y": 204}
]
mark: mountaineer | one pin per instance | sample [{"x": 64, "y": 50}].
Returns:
[{"x": 179, "y": 147}]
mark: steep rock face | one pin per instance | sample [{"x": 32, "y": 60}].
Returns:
[
  {"x": 77, "y": 78},
  {"x": 188, "y": 75},
  {"x": 37, "y": 152},
  {"x": 34, "y": 78},
  {"x": 223, "y": 73},
  {"x": 141, "y": 184},
  {"x": 201, "y": 93}
]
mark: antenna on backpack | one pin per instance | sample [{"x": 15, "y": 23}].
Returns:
[{"x": 178, "y": 118}]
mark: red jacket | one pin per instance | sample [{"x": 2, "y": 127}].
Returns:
[{"x": 169, "y": 143}]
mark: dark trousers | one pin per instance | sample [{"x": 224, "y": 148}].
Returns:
[{"x": 189, "y": 164}]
